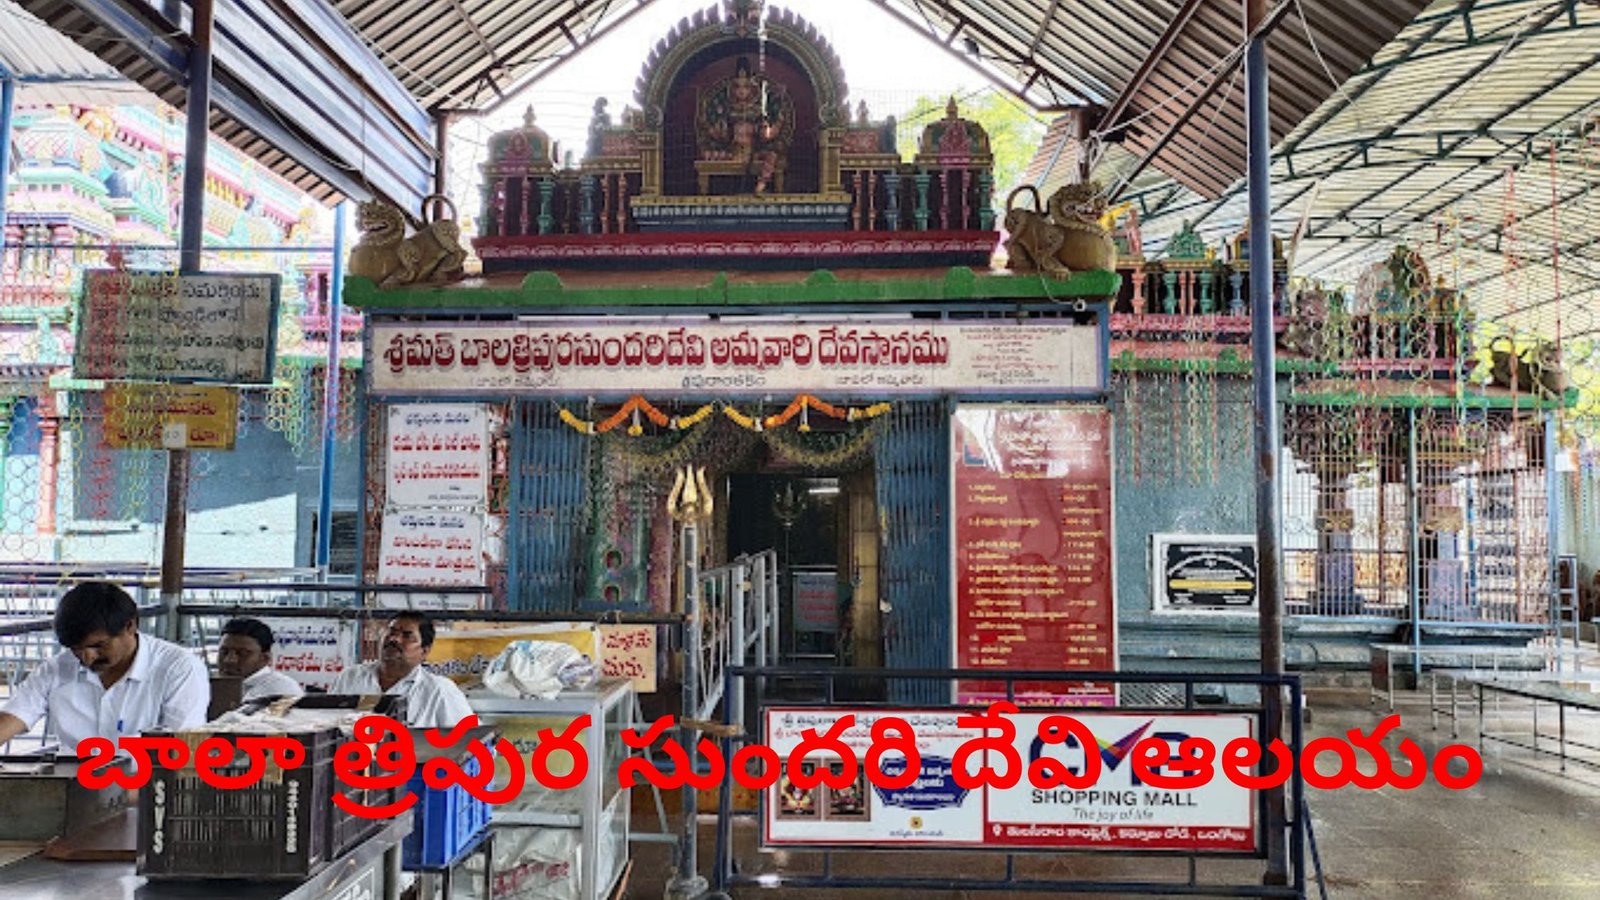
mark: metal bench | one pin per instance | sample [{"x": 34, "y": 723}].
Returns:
[
  {"x": 1582, "y": 694},
  {"x": 1478, "y": 657}
]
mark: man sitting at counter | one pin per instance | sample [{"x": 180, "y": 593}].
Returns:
[
  {"x": 432, "y": 701},
  {"x": 246, "y": 652},
  {"x": 110, "y": 680}
]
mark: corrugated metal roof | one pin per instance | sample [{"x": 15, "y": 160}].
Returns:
[
  {"x": 50, "y": 68},
  {"x": 470, "y": 54},
  {"x": 1473, "y": 136}
]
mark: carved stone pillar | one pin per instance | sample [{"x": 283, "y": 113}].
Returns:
[
  {"x": 547, "y": 192},
  {"x": 586, "y": 220},
  {"x": 527, "y": 201},
  {"x": 49, "y": 464},
  {"x": 891, "y": 183},
  {"x": 923, "y": 181},
  {"x": 985, "y": 207}
]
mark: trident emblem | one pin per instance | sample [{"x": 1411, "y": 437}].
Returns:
[{"x": 690, "y": 498}]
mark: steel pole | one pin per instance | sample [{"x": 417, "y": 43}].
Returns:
[
  {"x": 330, "y": 395},
  {"x": 1269, "y": 551},
  {"x": 191, "y": 232},
  {"x": 8, "y": 103}
]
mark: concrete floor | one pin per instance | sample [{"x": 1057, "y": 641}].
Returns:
[{"x": 1525, "y": 830}]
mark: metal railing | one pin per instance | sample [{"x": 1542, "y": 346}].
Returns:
[{"x": 739, "y": 626}]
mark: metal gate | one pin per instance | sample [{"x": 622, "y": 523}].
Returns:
[
  {"x": 548, "y": 534},
  {"x": 913, "y": 474}
]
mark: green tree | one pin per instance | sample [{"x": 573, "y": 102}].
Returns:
[{"x": 1014, "y": 130}]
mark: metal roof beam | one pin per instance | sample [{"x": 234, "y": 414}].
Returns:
[
  {"x": 1437, "y": 23},
  {"x": 1044, "y": 26},
  {"x": 1274, "y": 17},
  {"x": 930, "y": 32},
  {"x": 1394, "y": 128},
  {"x": 1157, "y": 53},
  {"x": 524, "y": 81},
  {"x": 964, "y": 22},
  {"x": 1503, "y": 114}
]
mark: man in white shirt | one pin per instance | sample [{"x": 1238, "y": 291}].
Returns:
[
  {"x": 110, "y": 680},
  {"x": 246, "y": 652},
  {"x": 432, "y": 701}
]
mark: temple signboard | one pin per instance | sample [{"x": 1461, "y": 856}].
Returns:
[
  {"x": 162, "y": 327},
  {"x": 1032, "y": 549},
  {"x": 616, "y": 357}
]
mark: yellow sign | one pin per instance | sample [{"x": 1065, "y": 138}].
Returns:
[
  {"x": 630, "y": 652},
  {"x": 171, "y": 417},
  {"x": 462, "y": 656}
]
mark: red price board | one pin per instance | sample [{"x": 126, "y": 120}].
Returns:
[{"x": 1032, "y": 549}]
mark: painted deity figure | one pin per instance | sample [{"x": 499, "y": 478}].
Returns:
[{"x": 745, "y": 120}]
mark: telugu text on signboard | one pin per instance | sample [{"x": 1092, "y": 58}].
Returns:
[
  {"x": 151, "y": 416},
  {"x": 438, "y": 455},
  {"x": 1032, "y": 547},
  {"x": 431, "y": 548},
  {"x": 664, "y": 357},
  {"x": 157, "y": 326},
  {"x": 1116, "y": 811}
]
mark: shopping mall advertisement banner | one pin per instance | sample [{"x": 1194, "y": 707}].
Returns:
[
  {"x": 663, "y": 357},
  {"x": 1117, "y": 811},
  {"x": 1032, "y": 552},
  {"x": 438, "y": 455}
]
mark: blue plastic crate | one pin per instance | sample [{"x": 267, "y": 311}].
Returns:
[{"x": 444, "y": 823}]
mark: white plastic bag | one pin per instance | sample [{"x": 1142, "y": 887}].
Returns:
[{"x": 539, "y": 669}]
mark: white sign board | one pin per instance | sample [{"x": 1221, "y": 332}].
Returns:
[
  {"x": 1117, "y": 811},
  {"x": 157, "y": 326},
  {"x": 659, "y": 357},
  {"x": 438, "y": 455},
  {"x": 431, "y": 548},
  {"x": 312, "y": 651}
]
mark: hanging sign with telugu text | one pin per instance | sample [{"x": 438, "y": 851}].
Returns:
[
  {"x": 172, "y": 417},
  {"x": 162, "y": 327}
]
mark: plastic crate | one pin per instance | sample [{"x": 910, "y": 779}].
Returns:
[
  {"x": 275, "y": 829},
  {"x": 444, "y": 822}
]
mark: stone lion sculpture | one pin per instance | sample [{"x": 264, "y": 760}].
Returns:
[
  {"x": 390, "y": 257},
  {"x": 1034, "y": 241},
  {"x": 1079, "y": 210}
]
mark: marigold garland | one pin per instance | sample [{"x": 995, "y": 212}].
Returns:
[{"x": 801, "y": 405}]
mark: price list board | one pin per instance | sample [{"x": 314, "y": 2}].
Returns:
[{"x": 1032, "y": 549}]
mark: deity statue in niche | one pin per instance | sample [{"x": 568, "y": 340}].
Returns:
[{"x": 747, "y": 122}]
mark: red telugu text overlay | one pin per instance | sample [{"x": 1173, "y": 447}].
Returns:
[{"x": 382, "y": 756}]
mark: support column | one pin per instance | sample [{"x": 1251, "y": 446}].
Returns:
[
  {"x": 1267, "y": 435},
  {"x": 330, "y": 396},
  {"x": 191, "y": 236},
  {"x": 441, "y": 163},
  {"x": 8, "y": 103},
  {"x": 891, "y": 183},
  {"x": 49, "y": 465},
  {"x": 923, "y": 179}
]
